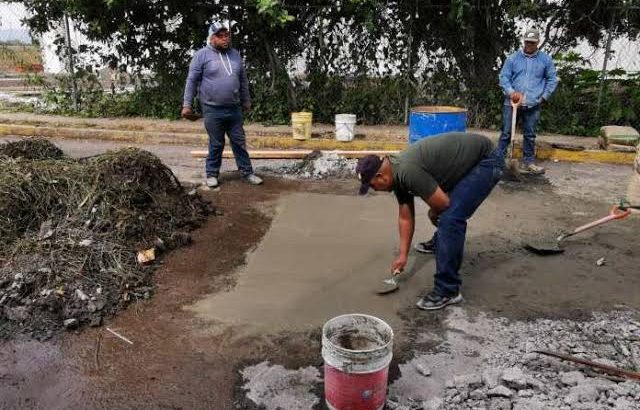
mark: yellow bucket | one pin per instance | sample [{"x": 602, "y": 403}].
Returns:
[{"x": 301, "y": 125}]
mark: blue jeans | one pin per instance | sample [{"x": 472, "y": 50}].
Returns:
[
  {"x": 464, "y": 199},
  {"x": 219, "y": 121},
  {"x": 530, "y": 117}
]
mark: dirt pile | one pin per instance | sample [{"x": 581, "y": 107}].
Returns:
[
  {"x": 70, "y": 233},
  {"x": 35, "y": 148}
]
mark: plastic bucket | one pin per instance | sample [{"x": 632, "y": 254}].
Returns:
[
  {"x": 357, "y": 350},
  {"x": 345, "y": 127},
  {"x": 301, "y": 125},
  {"x": 427, "y": 121}
]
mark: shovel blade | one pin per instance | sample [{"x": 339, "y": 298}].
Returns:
[
  {"x": 543, "y": 249},
  {"x": 386, "y": 288}
]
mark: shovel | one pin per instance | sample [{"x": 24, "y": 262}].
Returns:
[
  {"x": 554, "y": 247},
  {"x": 513, "y": 165}
]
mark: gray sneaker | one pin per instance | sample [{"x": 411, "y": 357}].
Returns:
[
  {"x": 534, "y": 169},
  {"x": 434, "y": 301},
  {"x": 212, "y": 182},
  {"x": 253, "y": 179}
]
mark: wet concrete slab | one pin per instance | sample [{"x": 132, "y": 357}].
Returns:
[{"x": 325, "y": 255}]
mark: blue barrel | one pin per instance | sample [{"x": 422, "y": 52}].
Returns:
[{"x": 427, "y": 121}]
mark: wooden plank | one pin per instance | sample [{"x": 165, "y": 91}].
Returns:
[{"x": 292, "y": 154}]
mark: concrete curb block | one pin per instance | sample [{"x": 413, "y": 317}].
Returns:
[{"x": 264, "y": 140}]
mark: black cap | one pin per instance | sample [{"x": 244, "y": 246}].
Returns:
[{"x": 367, "y": 169}]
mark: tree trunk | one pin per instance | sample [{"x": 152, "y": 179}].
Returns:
[{"x": 277, "y": 68}]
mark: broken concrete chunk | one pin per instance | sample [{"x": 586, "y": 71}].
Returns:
[
  {"x": 491, "y": 377},
  {"x": 500, "y": 403},
  {"x": 467, "y": 380},
  {"x": 581, "y": 393},
  {"x": 81, "y": 295},
  {"x": 529, "y": 404},
  {"x": 423, "y": 370},
  {"x": 624, "y": 404},
  {"x": 70, "y": 323},
  {"x": 571, "y": 378},
  {"x": 478, "y": 394},
  {"x": 433, "y": 404},
  {"x": 514, "y": 377},
  {"x": 500, "y": 391}
]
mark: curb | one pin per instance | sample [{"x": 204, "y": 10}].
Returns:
[{"x": 262, "y": 140}]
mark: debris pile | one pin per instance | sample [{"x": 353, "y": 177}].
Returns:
[
  {"x": 504, "y": 371},
  {"x": 71, "y": 232},
  {"x": 317, "y": 165},
  {"x": 36, "y": 148}
]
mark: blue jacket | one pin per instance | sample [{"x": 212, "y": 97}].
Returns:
[
  {"x": 220, "y": 76},
  {"x": 534, "y": 76}
]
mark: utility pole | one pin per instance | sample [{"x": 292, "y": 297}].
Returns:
[
  {"x": 607, "y": 55},
  {"x": 70, "y": 62}
]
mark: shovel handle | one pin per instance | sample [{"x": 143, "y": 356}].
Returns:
[
  {"x": 514, "y": 115},
  {"x": 614, "y": 213}
]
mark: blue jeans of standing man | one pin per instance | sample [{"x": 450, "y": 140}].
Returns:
[
  {"x": 530, "y": 117},
  {"x": 464, "y": 199},
  {"x": 219, "y": 121}
]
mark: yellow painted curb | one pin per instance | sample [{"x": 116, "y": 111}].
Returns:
[
  {"x": 262, "y": 141},
  {"x": 588, "y": 155},
  {"x": 137, "y": 137}
]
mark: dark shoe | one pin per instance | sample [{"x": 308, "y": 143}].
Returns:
[
  {"x": 434, "y": 301},
  {"x": 425, "y": 247}
]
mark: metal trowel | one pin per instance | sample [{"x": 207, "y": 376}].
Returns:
[{"x": 390, "y": 285}]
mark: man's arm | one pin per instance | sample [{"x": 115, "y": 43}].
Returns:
[
  {"x": 406, "y": 227},
  {"x": 193, "y": 80},
  {"x": 438, "y": 203},
  {"x": 506, "y": 75},
  {"x": 550, "y": 79}
]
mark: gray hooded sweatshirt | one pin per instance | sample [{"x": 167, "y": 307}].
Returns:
[{"x": 219, "y": 77}]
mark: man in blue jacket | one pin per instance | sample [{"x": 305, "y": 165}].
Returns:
[
  {"x": 217, "y": 71},
  {"x": 528, "y": 77}
]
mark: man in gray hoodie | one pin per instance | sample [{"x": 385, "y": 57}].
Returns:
[{"x": 217, "y": 73}]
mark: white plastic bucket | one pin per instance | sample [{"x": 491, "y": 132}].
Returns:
[
  {"x": 345, "y": 127},
  {"x": 357, "y": 350}
]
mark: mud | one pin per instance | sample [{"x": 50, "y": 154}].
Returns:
[{"x": 266, "y": 351}]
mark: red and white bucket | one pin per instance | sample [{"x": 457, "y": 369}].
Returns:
[{"x": 357, "y": 350}]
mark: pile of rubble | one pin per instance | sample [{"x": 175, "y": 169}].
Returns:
[
  {"x": 317, "y": 165},
  {"x": 505, "y": 372},
  {"x": 78, "y": 239}
]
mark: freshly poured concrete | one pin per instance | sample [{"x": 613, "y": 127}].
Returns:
[{"x": 324, "y": 256}]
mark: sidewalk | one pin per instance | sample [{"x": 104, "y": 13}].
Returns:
[{"x": 182, "y": 132}]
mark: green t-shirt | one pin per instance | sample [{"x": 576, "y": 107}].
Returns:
[{"x": 436, "y": 161}]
